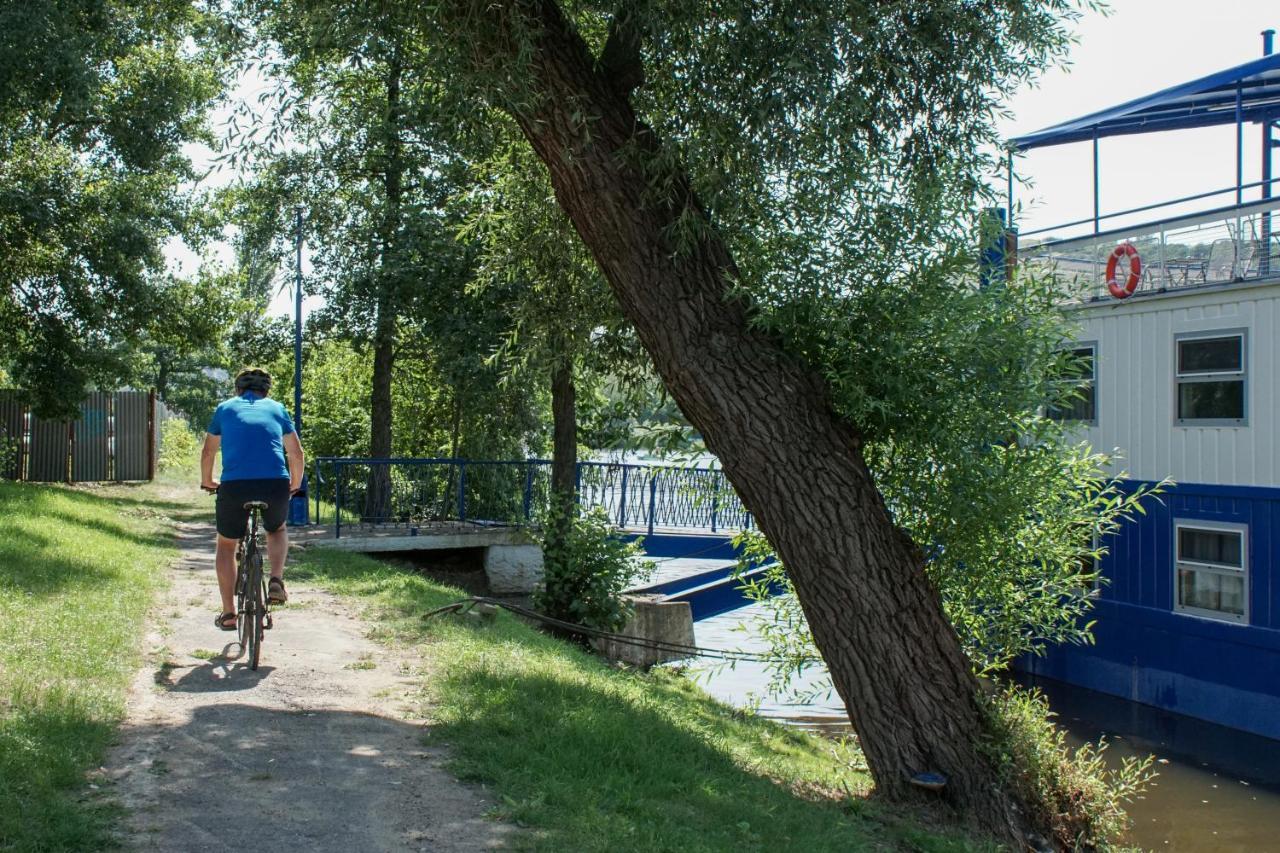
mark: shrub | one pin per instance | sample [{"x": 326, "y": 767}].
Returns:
[
  {"x": 178, "y": 445},
  {"x": 586, "y": 573},
  {"x": 1079, "y": 796},
  {"x": 9, "y": 448}
]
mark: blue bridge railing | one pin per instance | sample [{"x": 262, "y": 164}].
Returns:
[{"x": 407, "y": 493}]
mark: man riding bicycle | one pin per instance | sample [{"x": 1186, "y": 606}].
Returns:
[{"x": 262, "y": 460}]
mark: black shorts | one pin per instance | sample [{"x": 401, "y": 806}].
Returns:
[{"x": 233, "y": 518}]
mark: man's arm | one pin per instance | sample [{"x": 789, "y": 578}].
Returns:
[
  {"x": 210, "y": 450},
  {"x": 296, "y": 459}
]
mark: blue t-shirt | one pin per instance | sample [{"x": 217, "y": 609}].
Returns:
[{"x": 253, "y": 430}]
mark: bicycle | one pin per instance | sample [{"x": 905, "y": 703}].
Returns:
[{"x": 253, "y": 615}]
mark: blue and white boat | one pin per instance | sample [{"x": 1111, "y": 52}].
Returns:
[{"x": 1179, "y": 323}]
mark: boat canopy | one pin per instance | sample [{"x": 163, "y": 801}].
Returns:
[{"x": 1245, "y": 93}]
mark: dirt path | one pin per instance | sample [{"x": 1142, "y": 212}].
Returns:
[{"x": 317, "y": 750}]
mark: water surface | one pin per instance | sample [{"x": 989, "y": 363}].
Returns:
[{"x": 1218, "y": 790}]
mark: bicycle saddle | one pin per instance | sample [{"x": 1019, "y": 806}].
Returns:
[{"x": 256, "y": 505}]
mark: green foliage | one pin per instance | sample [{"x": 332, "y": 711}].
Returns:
[
  {"x": 10, "y": 450},
  {"x": 1080, "y": 797},
  {"x": 586, "y": 568},
  {"x": 335, "y": 384},
  {"x": 97, "y": 100},
  {"x": 178, "y": 445},
  {"x": 1011, "y": 514}
]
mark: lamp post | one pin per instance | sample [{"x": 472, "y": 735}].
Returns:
[{"x": 298, "y": 504}]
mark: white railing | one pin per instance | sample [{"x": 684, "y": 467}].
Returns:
[{"x": 1223, "y": 246}]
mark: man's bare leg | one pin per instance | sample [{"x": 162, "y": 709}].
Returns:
[
  {"x": 225, "y": 563},
  {"x": 277, "y": 550}
]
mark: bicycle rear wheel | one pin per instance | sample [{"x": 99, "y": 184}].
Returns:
[
  {"x": 252, "y": 608},
  {"x": 244, "y": 619}
]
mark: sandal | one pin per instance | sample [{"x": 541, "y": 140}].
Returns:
[
  {"x": 226, "y": 621},
  {"x": 276, "y": 593}
]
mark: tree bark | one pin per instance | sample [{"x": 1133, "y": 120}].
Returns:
[
  {"x": 564, "y": 470},
  {"x": 564, "y": 431},
  {"x": 797, "y": 465},
  {"x": 378, "y": 491}
]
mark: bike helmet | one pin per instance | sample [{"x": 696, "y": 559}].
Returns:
[{"x": 253, "y": 379}]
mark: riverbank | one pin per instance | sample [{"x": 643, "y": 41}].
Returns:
[
  {"x": 567, "y": 752},
  {"x": 81, "y": 569},
  {"x": 587, "y": 757}
]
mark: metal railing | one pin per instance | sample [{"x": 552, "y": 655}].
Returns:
[
  {"x": 1221, "y": 246},
  {"x": 414, "y": 493}
]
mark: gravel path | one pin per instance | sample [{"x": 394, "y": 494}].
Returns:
[{"x": 317, "y": 750}]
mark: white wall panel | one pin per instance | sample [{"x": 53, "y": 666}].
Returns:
[{"x": 1136, "y": 386}]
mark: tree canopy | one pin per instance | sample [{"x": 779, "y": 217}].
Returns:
[{"x": 97, "y": 100}]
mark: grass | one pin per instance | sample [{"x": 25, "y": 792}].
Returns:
[
  {"x": 79, "y": 571},
  {"x": 591, "y": 758}
]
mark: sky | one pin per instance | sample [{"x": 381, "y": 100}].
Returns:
[
  {"x": 1136, "y": 48},
  {"x": 1140, "y": 47}
]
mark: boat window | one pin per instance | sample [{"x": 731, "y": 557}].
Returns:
[
  {"x": 1211, "y": 379},
  {"x": 1080, "y": 374},
  {"x": 1212, "y": 570}
]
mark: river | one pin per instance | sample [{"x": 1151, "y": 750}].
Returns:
[{"x": 1218, "y": 790}]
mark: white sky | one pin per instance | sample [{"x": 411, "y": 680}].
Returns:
[{"x": 1140, "y": 47}]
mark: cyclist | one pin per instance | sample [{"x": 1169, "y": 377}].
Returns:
[{"x": 262, "y": 460}]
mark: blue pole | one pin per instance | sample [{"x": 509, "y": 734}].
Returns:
[
  {"x": 622, "y": 501},
  {"x": 1009, "y": 163},
  {"x": 1096, "y": 210},
  {"x": 1239, "y": 144},
  {"x": 298, "y": 505},
  {"x": 337, "y": 501},
  {"x": 297, "y": 323},
  {"x": 1264, "y": 263},
  {"x": 462, "y": 491},
  {"x": 653, "y": 499},
  {"x": 528, "y": 491}
]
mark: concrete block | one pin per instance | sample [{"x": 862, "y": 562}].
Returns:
[
  {"x": 513, "y": 569},
  {"x": 654, "y": 618}
]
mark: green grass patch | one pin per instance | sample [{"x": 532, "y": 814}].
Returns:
[
  {"x": 80, "y": 568},
  {"x": 592, "y": 758}
]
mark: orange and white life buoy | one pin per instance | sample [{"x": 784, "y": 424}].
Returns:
[{"x": 1118, "y": 290}]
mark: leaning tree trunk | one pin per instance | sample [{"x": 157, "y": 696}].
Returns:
[
  {"x": 798, "y": 466},
  {"x": 377, "y": 501}
]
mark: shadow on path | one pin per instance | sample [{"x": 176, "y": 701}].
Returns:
[{"x": 240, "y": 776}]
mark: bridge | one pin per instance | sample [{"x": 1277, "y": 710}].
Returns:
[{"x": 687, "y": 517}]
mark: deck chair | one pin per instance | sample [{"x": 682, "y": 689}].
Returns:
[{"x": 1221, "y": 263}]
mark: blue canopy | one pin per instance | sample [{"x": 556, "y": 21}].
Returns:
[{"x": 1204, "y": 102}]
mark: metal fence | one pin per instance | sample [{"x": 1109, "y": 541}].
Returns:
[
  {"x": 1227, "y": 245},
  {"x": 116, "y": 437},
  {"x": 406, "y": 493}
]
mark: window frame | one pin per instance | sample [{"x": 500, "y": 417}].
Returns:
[
  {"x": 1242, "y": 375},
  {"x": 1220, "y": 569},
  {"x": 1092, "y": 346}
]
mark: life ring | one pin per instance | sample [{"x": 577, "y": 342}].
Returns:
[{"x": 1118, "y": 290}]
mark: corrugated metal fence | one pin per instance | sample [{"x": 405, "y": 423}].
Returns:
[{"x": 116, "y": 437}]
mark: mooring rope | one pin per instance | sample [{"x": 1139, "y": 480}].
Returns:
[{"x": 626, "y": 639}]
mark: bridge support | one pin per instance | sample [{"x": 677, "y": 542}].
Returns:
[{"x": 654, "y": 618}]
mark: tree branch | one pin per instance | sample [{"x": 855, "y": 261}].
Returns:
[{"x": 620, "y": 59}]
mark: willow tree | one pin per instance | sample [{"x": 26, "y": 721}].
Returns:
[{"x": 741, "y": 172}]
